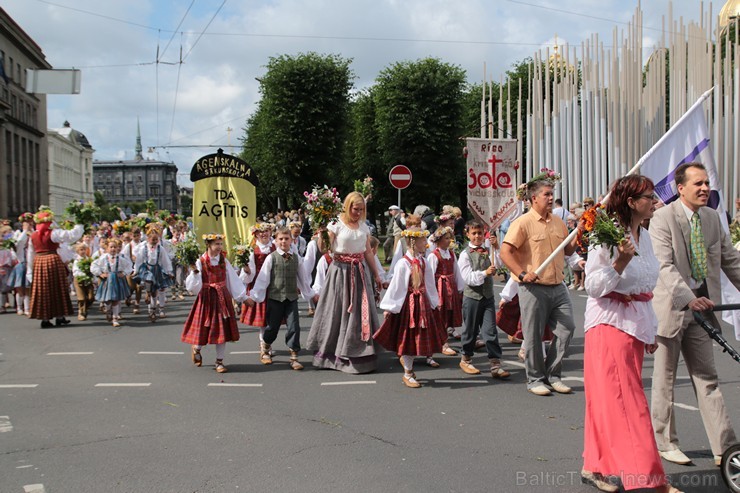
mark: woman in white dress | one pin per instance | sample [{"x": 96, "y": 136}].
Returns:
[{"x": 345, "y": 318}]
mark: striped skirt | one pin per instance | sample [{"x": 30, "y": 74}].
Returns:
[
  {"x": 50, "y": 288},
  {"x": 113, "y": 288}
]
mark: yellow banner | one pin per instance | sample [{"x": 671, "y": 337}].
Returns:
[{"x": 224, "y": 198}]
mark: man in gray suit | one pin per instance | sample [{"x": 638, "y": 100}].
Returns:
[{"x": 692, "y": 248}]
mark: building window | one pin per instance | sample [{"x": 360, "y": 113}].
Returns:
[{"x": 154, "y": 191}]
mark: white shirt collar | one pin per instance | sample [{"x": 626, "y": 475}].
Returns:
[
  {"x": 687, "y": 210},
  {"x": 280, "y": 252}
]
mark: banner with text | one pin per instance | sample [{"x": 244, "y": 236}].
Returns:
[
  {"x": 224, "y": 198},
  {"x": 491, "y": 173}
]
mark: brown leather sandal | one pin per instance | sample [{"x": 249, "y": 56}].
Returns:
[{"x": 197, "y": 358}]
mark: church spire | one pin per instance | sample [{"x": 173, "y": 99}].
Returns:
[{"x": 138, "y": 157}]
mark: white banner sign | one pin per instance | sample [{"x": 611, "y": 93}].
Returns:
[{"x": 491, "y": 170}]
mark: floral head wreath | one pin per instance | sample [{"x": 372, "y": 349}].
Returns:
[
  {"x": 444, "y": 217},
  {"x": 414, "y": 233},
  {"x": 440, "y": 232},
  {"x": 44, "y": 215},
  {"x": 26, "y": 217},
  {"x": 544, "y": 174},
  {"x": 261, "y": 227},
  {"x": 213, "y": 237},
  {"x": 295, "y": 224},
  {"x": 153, "y": 228}
]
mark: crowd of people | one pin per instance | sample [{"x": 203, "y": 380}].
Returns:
[{"x": 439, "y": 286}]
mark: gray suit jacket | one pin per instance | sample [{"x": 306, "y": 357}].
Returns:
[{"x": 671, "y": 234}]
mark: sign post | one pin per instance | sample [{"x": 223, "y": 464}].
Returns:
[{"x": 400, "y": 177}]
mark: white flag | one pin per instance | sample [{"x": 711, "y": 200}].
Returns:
[{"x": 688, "y": 141}]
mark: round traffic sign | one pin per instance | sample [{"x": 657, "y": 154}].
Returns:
[{"x": 400, "y": 177}]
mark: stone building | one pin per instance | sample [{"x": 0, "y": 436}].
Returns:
[
  {"x": 24, "y": 183},
  {"x": 70, "y": 167}
]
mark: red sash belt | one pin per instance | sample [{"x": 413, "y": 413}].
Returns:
[
  {"x": 219, "y": 288},
  {"x": 421, "y": 295},
  {"x": 355, "y": 259},
  {"x": 629, "y": 298},
  {"x": 444, "y": 288}
]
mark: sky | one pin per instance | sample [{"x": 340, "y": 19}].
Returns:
[{"x": 211, "y": 52}]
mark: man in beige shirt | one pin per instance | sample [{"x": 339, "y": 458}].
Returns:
[{"x": 529, "y": 241}]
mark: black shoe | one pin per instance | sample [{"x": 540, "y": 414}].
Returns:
[
  {"x": 62, "y": 321},
  {"x": 46, "y": 324}
]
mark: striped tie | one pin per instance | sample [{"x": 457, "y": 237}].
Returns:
[{"x": 698, "y": 250}]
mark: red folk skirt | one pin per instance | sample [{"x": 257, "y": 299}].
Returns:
[
  {"x": 449, "y": 312},
  {"x": 256, "y": 316},
  {"x": 212, "y": 319},
  {"x": 508, "y": 319},
  {"x": 413, "y": 331},
  {"x": 618, "y": 434},
  {"x": 50, "y": 287}
]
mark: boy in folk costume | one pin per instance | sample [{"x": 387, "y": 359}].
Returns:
[
  {"x": 478, "y": 306},
  {"x": 255, "y": 316},
  {"x": 297, "y": 242},
  {"x": 448, "y": 281},
  {"x": 17, "y": 280},
  {"x": 410, "y": 327},
  {"x": 8, "y": 262},
  {"x": 112, "y": 268},
  {"x": 212, "y": 319},
  {"x": 279, "y": 281},
  {"x": 83, "y": 281},
  {"x": 154, "y": 270}
]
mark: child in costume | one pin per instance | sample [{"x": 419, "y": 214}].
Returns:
[
  {"x": 112, "y": 269},
  {"x": 129, "y": 251},
  {"x": 8, "y": 262},
  {"x": 449, "y": 282},
  {"x": 297, "y": 242},
  {"x": 154, "y": 271},
  {"x": 17, "y": 280},
  {"x": 212, "y": 319},
  {"x": 263, "y": 247},
  {"x": 410, "y": 327},
  {"x": 83, "y": 280}
]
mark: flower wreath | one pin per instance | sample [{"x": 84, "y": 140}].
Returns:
[
  {"x": 213, "y": 236},
  {"x": 440, "y": 232},
  {"x": 294, "y": 224},
  {"x": 261, "y": 227},
  {"x": 411, "y": 233},
  {"x": 44, "y": 215},
  {"x": 26, "y": 217}
]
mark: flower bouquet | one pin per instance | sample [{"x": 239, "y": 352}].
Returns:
[
  {"x": 85, "y": 213},
  {"x": 241, "y": 252},
  {"x": 83, "y": 265},
  {"x": 67, "y": 224},
  {"x": 735, "y": 234},
  {"x": 322, "y": 206},
  {"x": 7, "y": 243},
  {"x": 121, "y": 227},
  {"x": 187, "y": 252},
  {"x": 141, "y": 220},
  {"x": 365, "y": 188},
  {"x": 602, "y": 229}
]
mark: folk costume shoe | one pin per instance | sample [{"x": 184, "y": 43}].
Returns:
[
  {"x": 675, "y": 456},
  {"x": 220, "y": 368},
  {"x": 497, "y": 371},
  {"x": 467, "y": 366},
  {"x": 448, "y": 351},
  {"x": 598, "y": 480},
  {"x": 294, "y": 364},
  {"x": 62, "y": 321},
  {"x": 265, "y": 354},
  {"x": 540, "y": 389},
  {"x": 409, "y": 380},
  {"x": 561, "y": 388},
  {"x": 430, "y": 362},
  {"x": 196, "y": 357}
]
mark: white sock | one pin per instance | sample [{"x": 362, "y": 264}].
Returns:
[
  {"x": 27, "y": 303},
  {"x": 262, "y": 334},
  {"x": 162, "y": 298},
  {"x": 408, "y": 363},
  {"x": 18, "y": 302},
  {"x": 220, "y": 350},
  {"x": 116, "y": 309}
]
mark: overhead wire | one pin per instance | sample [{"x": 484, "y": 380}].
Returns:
[
  {"x": 203, "y": 31},
  {"x": 160, "y": 55}
]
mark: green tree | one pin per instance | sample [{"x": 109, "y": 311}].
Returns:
[
  {"x": 419, "y": 109},
  {"x": 296, "y": 136}
]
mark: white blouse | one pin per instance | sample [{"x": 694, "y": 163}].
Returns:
[
  {"x": 194, "y": 282},
  {"x": 401, "y": 249},
  {"x": 347, "y": 240},
  {"x": 59, "y": 236},
  {"x": 640, "y": 276},
  {"x": 399, "y": 287},
  {"x": 21, "y": 244},
  {"x": 101, "y": 265},
  {"x": 149, "y": 255},
  {"x": 321, "y": 269},
  {"x": 265, "y": 248}
]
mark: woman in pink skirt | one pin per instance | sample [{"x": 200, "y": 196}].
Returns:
[{"x": 620, "y": 328}]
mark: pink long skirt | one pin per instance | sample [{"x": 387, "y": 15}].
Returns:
[{"x": 618, "y": 435}]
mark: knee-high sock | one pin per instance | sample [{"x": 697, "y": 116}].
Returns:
[
  {"x": 27, "y": 303},
  {"x": 116, "y": 307},
  {"x": 18, "y": 302},
  {"x": 262, "y": 334},
  {"x": 220, "y": 350},
  {"x": 162, "y": 298},
  {"x": 408, "y": 363}
]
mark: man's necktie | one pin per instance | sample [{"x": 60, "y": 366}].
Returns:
[{"x": 698, "y": 250}]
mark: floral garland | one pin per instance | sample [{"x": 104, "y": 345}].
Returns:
[
  {"x": 26, "y": 217},
  {"x": 602, "y": 229},
  {"x": 408, "y": 233},
  {"x": 213, "y": 236},
  {"x": 261, "y": 227},
  {"x": 44, "y": 215},
  {"x": 440, "y": 232}
]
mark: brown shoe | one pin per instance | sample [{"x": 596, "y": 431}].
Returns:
[
  {"x": 220, "y": 368},
  {"x": 514, "y": 340},
  {"x": 409, "y": 380},
  {"x": 467, "y": 366},
  {"x": 196, "y": 357},
  {"x": 265, "y": 354},
  {"x": 448, "y": 351},
  {"x": 294, "y": 364},
  {"x": 497, "y": 371},
  {"x": 598, "y": 480}
]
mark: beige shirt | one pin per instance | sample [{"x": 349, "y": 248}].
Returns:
[{"x": 535, "y": 238}]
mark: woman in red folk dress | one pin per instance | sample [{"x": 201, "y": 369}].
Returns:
[
  {"x": 410, "y": 327},
  {"x": 449, "y": 282},
  {"x": 212, "y": 319},
  {"x": 263, "y": 246}
]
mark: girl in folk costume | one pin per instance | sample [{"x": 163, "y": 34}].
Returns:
[
  {"x": 298, "y": 242},
  {"x": 154, "y": 270},
  {"x": 8, "y": 261},
  {"x": 449, "y": 282},
  {"x": 263, "y": 246},
  {"x": 17, "y": 280},
  {"x": 83, "y": 280},
  {"x": 129, "y": 251},
  {"x": 412, "y": 221},
  {"x": 321, "y": 268},
  {"x": 112, "y": 269},
  {"x": 50, "y": 289},
  {"x": 212, "y": 319},
  {"x": 311, "y": 261},
  {"x": 410, "y": 327}
]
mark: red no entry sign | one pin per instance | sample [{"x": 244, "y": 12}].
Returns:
[{"x": 400, "y": 177}]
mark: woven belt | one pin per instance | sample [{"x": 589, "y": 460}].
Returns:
[{"x": 355, "y": 259}]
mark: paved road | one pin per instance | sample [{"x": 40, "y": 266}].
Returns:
[{"x": 178, "y": 428}]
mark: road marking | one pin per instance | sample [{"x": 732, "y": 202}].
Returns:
[
  {"x": 78, "y": 353},
  {"x": 515, "y": 363},
  {"x": 355, "y": 382},
  {"x": 24, "y": 467},
  {"x": 235, "y": 385},
  {"x": 5, "y": 425},
  {"x": 244, "y": 352},
  {"x": 577, "y": 379},
  {"x": 161, "y": 352},
  {"x": 34, "y": 488},
  {"x": 462, "y": 380},
  {"x": 123, "y": 384},
  {"x": 19, "y": 386},
  {"x": 685, "y": 406},
  {"x": 683, "y": 377}
]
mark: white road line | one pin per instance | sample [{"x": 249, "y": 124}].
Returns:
[
  {"x": 577, "y": 379},
  {"x": 462, "y": 380},
  {"x": 123, "y": 384},
  {"x": 19, "y": 386},
  {"x": 24, "y": 467},
  {"x": 5, "y": 425},
  {"x": 235, "y": 385},
  {"x": 161, "y": 352},
  {"x": 685, "y": 406},
  {"x": 78, "y": 353},
  {"x": 683, "y": 377},
  {"x": 356, "y": 382},
  {"x": 515, "y": 363},
  {"x": 34, "y": 488},
  {"x": 244, "y": 352}
]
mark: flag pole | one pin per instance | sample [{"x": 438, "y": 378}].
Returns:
[{"x": 634, "y": 169}]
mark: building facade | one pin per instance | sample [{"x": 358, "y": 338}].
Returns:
[
  {"x": 70, "y": 167},
  {"x": 24, "y": 173},
  {"x": 137, "y": 180}
]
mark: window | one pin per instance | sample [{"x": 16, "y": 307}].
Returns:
[{"x": 154, "y": 191}]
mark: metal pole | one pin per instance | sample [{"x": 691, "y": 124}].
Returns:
[{"x": 399, "y": 198}]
